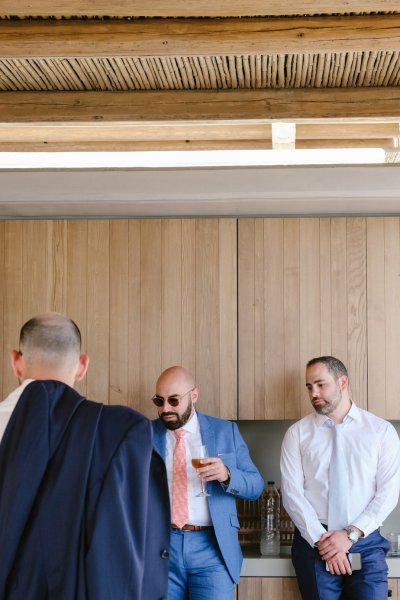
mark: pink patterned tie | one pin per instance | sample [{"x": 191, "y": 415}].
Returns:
[{"x": 180, "y": 505}]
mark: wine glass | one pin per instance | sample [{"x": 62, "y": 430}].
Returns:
[{"x": 199, "y": 453}]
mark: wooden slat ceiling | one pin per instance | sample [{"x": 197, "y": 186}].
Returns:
[{"x": 198, "y": 74}]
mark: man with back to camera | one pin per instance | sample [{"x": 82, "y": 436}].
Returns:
[
  {"x": 340, "y": 479},
  {"x": 84, "y": 509},
  {"x": 205, "y": 558}
]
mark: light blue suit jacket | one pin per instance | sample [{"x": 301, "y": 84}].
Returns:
[{"x": 223, "y": 438}]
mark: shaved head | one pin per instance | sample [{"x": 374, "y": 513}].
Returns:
[
  {"x": 50, "y": 348},
  {"x": 50, "y": 337},
  {"x": 176, "y": 374}
]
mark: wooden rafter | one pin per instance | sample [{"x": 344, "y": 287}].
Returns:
[
  {"x": 190, "y": 8},
  {"x": 190, "y": 37},
  {"x": 292, "y": 104}
]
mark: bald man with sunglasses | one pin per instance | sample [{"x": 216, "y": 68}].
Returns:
[{"x": 205, "y": 556}]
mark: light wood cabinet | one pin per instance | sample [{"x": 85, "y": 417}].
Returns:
[
  {"x": 268, "y": 588},
  {"x": 146, "y": 294},
  {"x": 243, "y": 303},
  {"x": 302, "y": 293},
  {"x": 393, "y": 586}
]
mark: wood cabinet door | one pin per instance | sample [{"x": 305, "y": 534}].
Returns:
[
  {"x": 302, "y": 294},
  {"x": 268, "y": 588},
  {"x": 147, "y": 294}
]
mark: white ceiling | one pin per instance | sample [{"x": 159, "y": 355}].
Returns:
[{"x": 190, "y": 192}]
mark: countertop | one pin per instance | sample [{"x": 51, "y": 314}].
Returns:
[{"x": 255, "y": 565}]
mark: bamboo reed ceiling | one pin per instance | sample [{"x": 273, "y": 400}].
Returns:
[{"x": 131, "y": 47}]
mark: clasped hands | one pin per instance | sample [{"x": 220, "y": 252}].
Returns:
[
  {"x": 213, "y": 470},
  {"x": 333, "y": 547}
]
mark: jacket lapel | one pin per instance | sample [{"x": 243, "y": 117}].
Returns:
[{"x": 159, "y": 437}]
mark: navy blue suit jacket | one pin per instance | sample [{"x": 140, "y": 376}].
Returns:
[
  {"x": 223, "y": 437},
  {"x": 80, "y": 485}
]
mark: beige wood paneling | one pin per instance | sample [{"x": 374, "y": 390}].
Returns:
[
  {"x": 13, "y": 296},
  {"x": 393, "y": 585},
  {"x": 383, "y": 264},
  {"x": 146, "y": 294},
  {"x": 302, "y": 293},
  {"x": 268, "y": 588},
  {"x": 77, "y": 270},
  {"x": 2, "y": 277}
]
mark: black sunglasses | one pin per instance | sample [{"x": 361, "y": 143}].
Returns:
[{"x": 172, "y": 400}]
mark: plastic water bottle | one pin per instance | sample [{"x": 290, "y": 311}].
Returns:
[{"x": 270, "y": 514}]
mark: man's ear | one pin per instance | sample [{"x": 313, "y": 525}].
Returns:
[
  {"x": 17, "y": 363},
  {"x": 343, "y": 382},
  {"x": 195, "y": 394},
  {"x": 83, "y": 365}
]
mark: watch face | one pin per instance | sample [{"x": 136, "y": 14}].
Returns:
[{"x": 352, "y": 536}]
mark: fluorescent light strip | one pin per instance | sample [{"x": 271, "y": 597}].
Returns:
[{"x": 188, "y": 159}]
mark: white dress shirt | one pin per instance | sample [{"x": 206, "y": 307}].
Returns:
[
  {"x": 8, "y": 404},
  {"x": 372, "y": 450},
  {"x": 199, "y": 513}
]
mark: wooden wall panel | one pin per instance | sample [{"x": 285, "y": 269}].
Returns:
[
  {"x": 302, "y": 294},
  {"x": 393, "y": 586},
  {"x": 3, "y": 352},
  {"x": 383, "y": 310},
  {"x": 356, "y": 309},
  {"x": 77, "y": 270},
  {"x": 268, "y": 588},
  {"x": 119, "y": 311}
]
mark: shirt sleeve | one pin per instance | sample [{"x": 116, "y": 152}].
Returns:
[
  {"x": 296, "y": 504},
  {"x": 387, "y": 484}
]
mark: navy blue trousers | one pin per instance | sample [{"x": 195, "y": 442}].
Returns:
[{"x": 368, "y": 583}]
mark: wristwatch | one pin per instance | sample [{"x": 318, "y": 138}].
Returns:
[{"x": 352, "y": 534}]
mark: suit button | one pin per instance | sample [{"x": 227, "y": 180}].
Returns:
[{"x": 164, "y": 554}]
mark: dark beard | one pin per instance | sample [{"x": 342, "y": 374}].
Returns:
[{"x": 180, "y": 421}]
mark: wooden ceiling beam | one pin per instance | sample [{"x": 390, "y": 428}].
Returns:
[
  {"x": 198, "y": 37},
  {"x": 190, "y": 8},
  {"x": 296, "y": 105}
]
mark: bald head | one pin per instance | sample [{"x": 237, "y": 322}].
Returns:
[
  {"x": 50, "y": 348},
  {"x": 177, "y": 375}
]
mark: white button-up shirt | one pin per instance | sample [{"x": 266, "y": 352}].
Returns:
[
  {"x": 199, "y": 513},
  {"x": 7, "y": 406},
  {"x": 372, "y": 450}
]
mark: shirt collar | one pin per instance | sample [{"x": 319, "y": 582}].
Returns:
[{"x": 353, "y": 414}]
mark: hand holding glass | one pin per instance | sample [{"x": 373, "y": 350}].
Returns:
[{"x": 200, "y": 452}]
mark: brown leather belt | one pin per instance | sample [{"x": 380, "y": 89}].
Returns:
[{"x": 188, "y": 527}]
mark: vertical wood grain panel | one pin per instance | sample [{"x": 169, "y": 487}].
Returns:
[
  {"x": 259, "y": 319},
  {"x": 3, "y": 352},
  {"x": 376, "y": 315},
  {"x": 227, "y": 309},
  {"x": 58, "y": 250},
  {"x": 137, "y": 399},
  {"x": 356, "y": 312},
  {"x": 274, "y": 353},
  {"x": 292, "y": 376},
  {"x": 119, "y": 312},
  {"x": 37, "y": 273},
  {"x": 207, "y": 314},
  {"x": 339, "y": 292},
  {"x": 291, "y": 589},
  {"x": 150, "y": 308},
  {"x": 246, "y": 320},
  {"x": 98, "y": 309},
  {"x": 393, "y": 585},
  {"x": 171, "y": 308},
  {"x": 272, "y": 587},
  {"x": 392, "y": 314},
  {"x": 250, "y": 588},
  {"x": 188, "y": 301},
  {"x": 13, "y": 296},
  {"x": 325, "y": 270},
  {"x": 76, "y": 277},
  {"x": 310, "y": 303}
]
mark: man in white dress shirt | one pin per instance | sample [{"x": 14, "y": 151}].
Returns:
[{"x": 368, "y": 484}]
